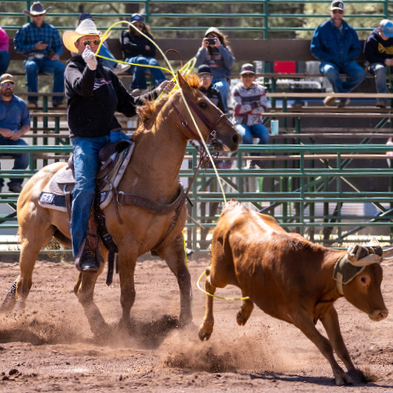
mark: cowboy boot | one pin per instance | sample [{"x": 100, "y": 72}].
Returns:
[{"x": 88, "y": 258}]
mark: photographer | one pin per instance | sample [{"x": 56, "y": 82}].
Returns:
[{"x": 216, "y": 53}]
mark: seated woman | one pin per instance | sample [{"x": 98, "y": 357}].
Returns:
[
  {"x": 139, "y": 50},
  {"x": 216, "y": 53},
  {"x": 249, "y": 102}
]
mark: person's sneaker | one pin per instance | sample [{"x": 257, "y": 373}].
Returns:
[
  {"x": 381, "y": 104},
  {"x": 32, "y": 105},
  {"x": 15, "y": 188},
  {"x": 189, "y": 251},
  {"x": 257, "y": 163},
  {"x": 329, "y": 101},
  {"x": 59, "y": 105},
  {"x": 120, "y": 68},
  {"x": 343, "y": 103}
]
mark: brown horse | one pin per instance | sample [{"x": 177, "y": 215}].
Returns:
[{"x": 160, "y": 145}]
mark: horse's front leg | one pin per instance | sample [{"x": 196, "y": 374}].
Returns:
[{"x": 174, "y": 257}]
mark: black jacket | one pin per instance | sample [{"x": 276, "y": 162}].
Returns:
[
  {"x": 376, "y": 50},
  {"x": 94, "y": 97},
  {"x": 134, "y": 45},
  {"x": 214, "y": 96}
]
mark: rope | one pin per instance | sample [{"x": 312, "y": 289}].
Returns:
[{"x": 218, "y": 297}]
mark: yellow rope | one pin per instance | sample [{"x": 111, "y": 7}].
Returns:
[{"x": 218, "y": 297}]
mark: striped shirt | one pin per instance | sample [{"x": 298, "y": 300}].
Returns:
[
  {"x": 29, "y": 34},
  {"x": 249, "y": 104}
]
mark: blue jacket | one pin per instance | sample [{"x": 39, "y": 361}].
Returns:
[{"x": 331, "y": 45}]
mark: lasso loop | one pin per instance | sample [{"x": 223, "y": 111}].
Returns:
[
  {"x": 218, "y": 297},
  {"x": 185, "y": 70}
]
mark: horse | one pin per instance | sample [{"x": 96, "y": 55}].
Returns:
[{"x": 160, "y": 145}]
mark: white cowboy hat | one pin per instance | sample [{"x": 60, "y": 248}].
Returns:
[
  {"x": 37, "y": 9},
  {"x": 86, "y": 27}
]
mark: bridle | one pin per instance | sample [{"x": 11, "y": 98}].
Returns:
[{"x": 212, "y": 138}]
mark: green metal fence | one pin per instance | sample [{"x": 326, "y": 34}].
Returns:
[
  {"x": 307, "y": 189},
  {"x": 266, "y": 17}
]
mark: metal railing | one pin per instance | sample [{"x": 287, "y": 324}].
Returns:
[{"x": 195, "y": 21}]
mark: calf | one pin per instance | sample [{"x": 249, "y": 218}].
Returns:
[{"x": 289, "y": 278}]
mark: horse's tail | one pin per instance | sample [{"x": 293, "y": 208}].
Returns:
[{"x": 10, "y": 299}]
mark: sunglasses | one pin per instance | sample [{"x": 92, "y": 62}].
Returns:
[
  {"x": 207, "y": 77},
  {"x": 88, "y": 42},
  {"x": 8, "y": 84},
  {"x": 247, "y": 75},
  {"x": 338, "y": 12},
  {"x": 138, "y": 25}
]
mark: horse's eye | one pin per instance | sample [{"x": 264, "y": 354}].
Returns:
[
  {"x": 363, "y": 279},
  {"x": 202, "y": 105}
]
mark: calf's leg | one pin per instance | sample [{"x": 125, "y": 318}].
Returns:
[
  {"x": 245, "y": 311},
  {"x": 206, "y": 329},
  {"x": 305, "y": 323},
  {"x": 330, "y": 322}
]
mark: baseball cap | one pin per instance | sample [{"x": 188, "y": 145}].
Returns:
[
  {"x": 204, "y": 69},
  {"x": 6, "y": 78},
  {"x": 85, "y": 15},
  {"x": 337, "y": 5},
  {"x": 386, "y": 27},
  {"x": 137, "y": 18},
  {"x": 247, "y": 68}
]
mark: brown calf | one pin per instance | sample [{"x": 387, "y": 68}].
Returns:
[{"x": 289, "y": 278}]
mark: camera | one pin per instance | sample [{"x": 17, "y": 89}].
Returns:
[{"x": 211, "y": 41}]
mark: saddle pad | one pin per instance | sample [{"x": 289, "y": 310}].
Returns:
[{"x": 52, "y": 197}]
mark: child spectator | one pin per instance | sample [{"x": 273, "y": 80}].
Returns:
[
  {"x": 216, "y": 53},
  {"x": 378, "y": 51},
  {"x": 5, "y": 56},
  {"x": 249, "y": 102},
  {"x": 205, "y": 86},
  {"x": 139, "y": 50}
]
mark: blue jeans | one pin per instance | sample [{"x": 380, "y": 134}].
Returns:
[
  {"x": 21, "y": 160},
  {"x": 379, "y": 70},
  {"x": 86, "y": 164},
  {"x": 47, "y": 66},
  {"x": 257, "y": 131},
  {"x": 353, "y": 70},
  {"x": 5, "y": 58},
  {"x": 139, "y": 81},
  {"x": 104, "y": 51},
  {"x": 222, "y": 85}
]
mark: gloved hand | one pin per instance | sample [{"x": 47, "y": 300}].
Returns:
[{"x": 89, "y": 58}]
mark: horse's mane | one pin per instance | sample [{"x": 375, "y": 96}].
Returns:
[{"x": 151, "y": 109}]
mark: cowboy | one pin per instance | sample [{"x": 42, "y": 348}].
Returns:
[
  {"x": 14, "y": 122},
  {"x": 337, "y": 45},
  {"x": 41, "y": 44},
  {"x": 378, "y": 51},
  {"x": 93, "y": 93}
]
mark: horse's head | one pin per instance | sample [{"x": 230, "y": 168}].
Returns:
[{"x": 212, "y": 123}]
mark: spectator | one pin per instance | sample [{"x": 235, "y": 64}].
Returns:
[
  {"x": 139, "y": 50},
  {"x": 216, "y": 53},
  {"x": 117, "y": 68},
  {"x": 37, "y": 40},
  {"x": 93, "y": 94},
  {"x": 337, "y": 45},
  {"x": 249, "y": 102},
  {"x": 378, "y": 51},
  {"x": 205, "y": 86},
  {"x": 14, "y": 123},
  {"x": 5, "y": 56}
]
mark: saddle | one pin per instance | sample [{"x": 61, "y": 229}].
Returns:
[{"x": 114, "y": 158}]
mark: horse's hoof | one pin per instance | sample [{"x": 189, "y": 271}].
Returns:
[
  {"x": 203, "y": 335},
  {"x": 357, "y": 376}
]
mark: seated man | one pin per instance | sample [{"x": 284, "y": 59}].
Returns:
[
  {"x": 337, "y": 45},
  {"x": 205, "y": 86},
  {"x": 14, "y": 122},
  {"x": 37, "y": 40},
  {"x": 5, "y": 56},
  {"x": 378, "y": 51}
]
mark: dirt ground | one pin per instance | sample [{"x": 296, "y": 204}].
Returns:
[{"x": 50, "y": 348}]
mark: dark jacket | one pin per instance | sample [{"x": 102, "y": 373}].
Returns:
[
  {"x": 214, "y": 96},
  {"x": 335, "y": 46},
  {"x": 134, "y": 45},
  {"x": 94, "y": 97},
  {"x": 376, "y": 50}
]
